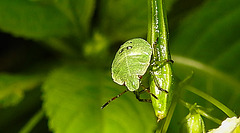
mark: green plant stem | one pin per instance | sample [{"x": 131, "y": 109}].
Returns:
[
  {"x": 32, "y": 122},
  {"x": 215, "y": 102},
  {"x": 157, "y": 26},
  {"x": 210, "y": 70},
  {"x": 158, "y": 38}
]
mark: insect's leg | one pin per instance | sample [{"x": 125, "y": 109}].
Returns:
[
  {"x": 104, "y": 105},
  {"x": 156, "y": 82},
  {"x": 139, "y": 99},
  {"x": 160, "y": 64},
  {"x": 156, "y": 61},
  {"x": 145, "y": 89},
  {"x": 148, "y": 91},
  {"x": 142, "y": 91},
  {"x": 163, "y": 62}
]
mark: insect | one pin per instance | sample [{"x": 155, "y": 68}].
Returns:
[{"x": 131, "y": 62}]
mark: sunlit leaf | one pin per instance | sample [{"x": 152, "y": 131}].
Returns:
[
  {"x": 42, "y": 19},
  {"x": 32, "y": 19},
  {"x": 72, "y": 101},
  {"x": 79, "y": 12}
]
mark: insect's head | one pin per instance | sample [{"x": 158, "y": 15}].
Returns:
[{"x": 125, "y": 48}]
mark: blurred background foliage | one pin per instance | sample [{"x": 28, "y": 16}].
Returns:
[{"x": 56, "y": 57}]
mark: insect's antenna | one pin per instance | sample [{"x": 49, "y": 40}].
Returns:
[{"x": 113, "y": 98}]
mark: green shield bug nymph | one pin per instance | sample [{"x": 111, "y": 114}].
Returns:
[{"x": 130, "y": 63}]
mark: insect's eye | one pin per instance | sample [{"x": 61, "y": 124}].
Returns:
[
  {"x": 129, "y": 47},
  {"x": 126, "y": 48}
]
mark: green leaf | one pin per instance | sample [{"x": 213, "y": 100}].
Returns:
[
  {"x": 32, "y": 19},
  {"x": 73, "y": 96},
  {"x": 207, "y": 43},
  {"x": 44, "y": 19},
  {"x": 124, "y": 19},
  {"x": 79, "y": 12},
  {"x": 169, "y": 4},
  {"x": 12, "y": 87},
  {"x": 97, "y": 48}
]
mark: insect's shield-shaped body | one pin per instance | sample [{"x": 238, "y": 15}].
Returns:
[{"x": 131, "y": 61}]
